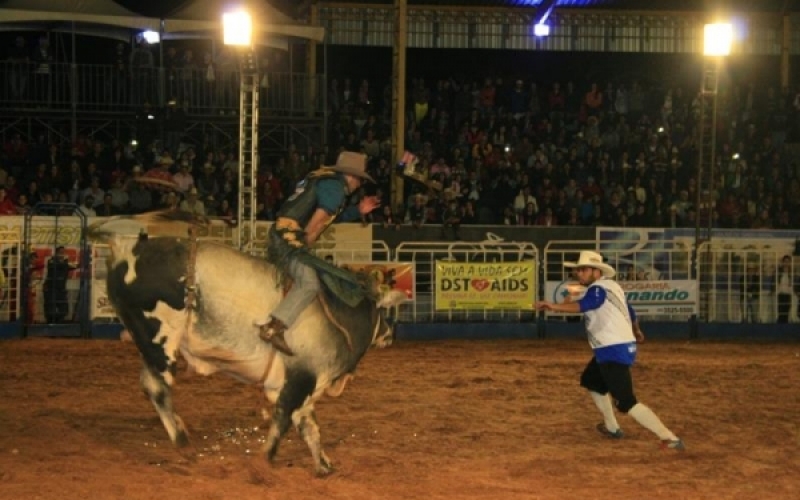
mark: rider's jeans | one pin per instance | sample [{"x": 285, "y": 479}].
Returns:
[{"x": 304, "y": 290}]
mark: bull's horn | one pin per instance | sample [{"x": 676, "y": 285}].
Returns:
[{"x": 392, "y": 298}]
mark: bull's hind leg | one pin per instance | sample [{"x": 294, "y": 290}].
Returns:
[
  {"x": 296, "y": 389},
  {"x": 306, "y": 422},
  {"x": 156, "y": 387}
]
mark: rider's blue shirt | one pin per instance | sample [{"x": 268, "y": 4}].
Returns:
[{"x": 330, "y": 197}]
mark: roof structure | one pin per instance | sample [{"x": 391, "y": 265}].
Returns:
[
  {"x": 765, "y": 6},
  {"x": 185, "y": 19}
]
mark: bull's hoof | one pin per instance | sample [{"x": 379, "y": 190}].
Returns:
[
  {"x": 181, "y": 439},
  {"x": 323, "y": 470},
  {"x": 270, "y": 453}
]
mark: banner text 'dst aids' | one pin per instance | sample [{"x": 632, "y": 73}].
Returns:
[{"x": 510, "y": 285}]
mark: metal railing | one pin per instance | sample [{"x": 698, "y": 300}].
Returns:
[
  {"x": 747, "y": 286},
  {"x": 10, "y": 282},
  {"x": 731, "y": 284},
  {"x": 657, "y": 281},
  {"x": 103, "y": 88},
  {"x": 424, "y": 256}
]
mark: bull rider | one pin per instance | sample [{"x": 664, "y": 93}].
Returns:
[{"x": 328, "y": 194}]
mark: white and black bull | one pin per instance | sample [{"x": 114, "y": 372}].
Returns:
[{"x": 147, "y": 286}]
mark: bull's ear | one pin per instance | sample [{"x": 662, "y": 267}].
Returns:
[{"x": 392, "y": 298}]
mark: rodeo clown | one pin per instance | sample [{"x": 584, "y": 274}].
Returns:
[
  {"x": 613, "y": 332},
  {"x": 326, "y": 195}
]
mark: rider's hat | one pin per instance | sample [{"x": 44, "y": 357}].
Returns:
[{"x": 353, "y": 164}]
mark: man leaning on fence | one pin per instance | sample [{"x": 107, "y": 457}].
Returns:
[{"x": 786, "y": 286}]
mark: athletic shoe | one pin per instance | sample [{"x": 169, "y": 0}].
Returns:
[
  {"x": 673, "y": 444},
  {"x": 602, "y": 429}
]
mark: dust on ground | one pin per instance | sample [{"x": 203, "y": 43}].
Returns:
[{"x": 427, "y": 420}]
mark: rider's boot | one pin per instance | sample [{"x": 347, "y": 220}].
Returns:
[{"x": 272, "y": 333}]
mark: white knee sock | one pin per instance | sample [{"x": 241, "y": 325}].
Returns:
[
  {"x": 603, "y": 403},
  {"x": 651, "y": 422}
]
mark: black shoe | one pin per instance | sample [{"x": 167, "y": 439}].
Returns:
[{"x": 272, "y": 333}]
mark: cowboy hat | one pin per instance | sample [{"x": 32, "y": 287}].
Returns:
[
  {"x": 353, "y": 164},
  {"x": 594, "y": 260}
]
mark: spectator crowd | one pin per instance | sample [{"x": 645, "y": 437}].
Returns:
[
  {"x": 615, "y": 154},
  {"x": 490, "y": 151}
]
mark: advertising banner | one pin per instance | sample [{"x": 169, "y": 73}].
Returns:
[
  {"x": 658, "y": 250},
  {"x": 648, "y": 298},
  {"x": 100, "y": 305},
  {"x": 388, "y": 275},
  {"x": 495, "y": 285}
]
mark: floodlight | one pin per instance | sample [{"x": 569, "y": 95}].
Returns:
[
  {"x": 541, "y": 29},
  {"x": 151, "y": 37},
  {"x": 717, "y": 39},
  {"x": 237, "y": 28}
]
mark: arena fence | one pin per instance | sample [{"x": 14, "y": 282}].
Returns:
[
  {"x": 747, "y": 286},
  {"x": 103, "y": 88},
  {"x": 492, "y": 255},
  {"x": 496, "y": 281},
  {"x": 10, "y": 286},
  {"x": 658, "y": 282}
]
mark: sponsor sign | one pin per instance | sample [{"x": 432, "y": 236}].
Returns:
[
  {"x": 100, "y": 305},
  {"x": 495, "y": 285},
  {"x": 388, "y": 275},
  {"x": 648, "y": 298}
]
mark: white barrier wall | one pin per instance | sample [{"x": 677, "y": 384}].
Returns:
[{"x": 732, "y": 283}]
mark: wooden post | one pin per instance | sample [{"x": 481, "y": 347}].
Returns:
[{"x": 399, "y": 97}]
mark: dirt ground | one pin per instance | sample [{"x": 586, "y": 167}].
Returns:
[{"x": 426, "y": 420}]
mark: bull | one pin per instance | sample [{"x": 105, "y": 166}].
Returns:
[{"x": 217, "y": 332}]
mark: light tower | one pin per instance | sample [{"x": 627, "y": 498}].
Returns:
[{"x": 237, "y": 32}]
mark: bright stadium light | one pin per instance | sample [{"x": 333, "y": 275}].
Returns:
[
  {"x": 541, "y": 29},
  {"x": 237, "y": 28},
  {"x": 717, "y": 39},
  {"x": 151, "y": 37}
]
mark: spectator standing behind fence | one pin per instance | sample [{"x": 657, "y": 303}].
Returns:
[
  {"x": 7, "y": 206},
  {"x": 750, "y": 286},
  {"x": 192, "y": 204},
  {"x": 141, "y": 68},
  {"x": 56, "y": 306},
  {"x": 613, "y": 332},
  {"x": 43, "y": 70},
  {"x": 785, "y": 286},
  {"x": 118, "y": 85},
  {"x": 18, "y": 76}
]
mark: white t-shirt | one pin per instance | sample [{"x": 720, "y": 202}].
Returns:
[{"x": 608, "y": 322}]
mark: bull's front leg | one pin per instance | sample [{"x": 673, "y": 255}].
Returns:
[
  {"x": 156, "y": 387},
  {"x": 305, "y": 420},
  {"x": 294, "y": 396}
]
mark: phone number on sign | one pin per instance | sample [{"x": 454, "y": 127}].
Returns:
[{"x": 665, "y": 310}]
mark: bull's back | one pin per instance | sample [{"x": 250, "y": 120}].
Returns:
[{"x": 234, "y": 289}]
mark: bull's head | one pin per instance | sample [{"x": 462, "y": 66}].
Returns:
[{"x": 384, "y": 330}]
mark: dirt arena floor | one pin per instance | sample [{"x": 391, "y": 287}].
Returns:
[{"x": 423, "y": 420}]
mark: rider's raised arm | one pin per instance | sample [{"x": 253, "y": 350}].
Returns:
[{"x": 319, "y": 221}]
